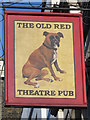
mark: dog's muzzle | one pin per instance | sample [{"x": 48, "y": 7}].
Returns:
[{"x": 57, "y": 44}]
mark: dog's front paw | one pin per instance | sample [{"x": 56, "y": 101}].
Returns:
[
  {"x": 62, "y": 71},
  {"x": 50, "y": 80}
]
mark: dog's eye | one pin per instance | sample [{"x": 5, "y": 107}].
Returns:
[{"x": 51, "y": 37}]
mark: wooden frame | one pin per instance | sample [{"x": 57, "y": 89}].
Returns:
[{"x": 11, "y": 80}]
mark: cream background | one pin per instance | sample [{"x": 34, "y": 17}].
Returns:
[{"x": 26, "y": 41}]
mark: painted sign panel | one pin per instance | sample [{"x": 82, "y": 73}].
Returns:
[{"x": 44, "y": 60}]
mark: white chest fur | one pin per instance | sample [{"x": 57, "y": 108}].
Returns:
[{"x": 54, "y": 56}]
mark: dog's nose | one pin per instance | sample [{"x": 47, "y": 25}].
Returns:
[
  {"x": 62, "y": 36},
  {"x": 58, "y": 44}
]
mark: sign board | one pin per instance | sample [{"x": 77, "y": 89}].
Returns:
[{"x": 44, "y": 60}]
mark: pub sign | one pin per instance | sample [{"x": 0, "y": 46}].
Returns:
[{"x": 44, "y": 60}]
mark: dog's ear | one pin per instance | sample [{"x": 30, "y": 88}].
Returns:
[
  {"x": 60, "y": 34},
  {"x": 45, "y": 33}
]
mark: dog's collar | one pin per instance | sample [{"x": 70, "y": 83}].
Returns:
[{"x": 49, "y": 47}]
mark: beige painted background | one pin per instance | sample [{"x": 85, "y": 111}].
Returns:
[{"x": 26, "y": 41}]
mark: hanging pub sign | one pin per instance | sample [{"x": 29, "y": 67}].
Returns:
[{"x": 44, "y": 60}]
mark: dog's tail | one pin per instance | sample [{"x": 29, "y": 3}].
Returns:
[{"x": 23, "y": 73}]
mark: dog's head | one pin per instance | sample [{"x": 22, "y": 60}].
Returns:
[{"x": 53, "y": 39}]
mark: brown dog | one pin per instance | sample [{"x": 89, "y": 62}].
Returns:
[{"x": 43, "y": 57}]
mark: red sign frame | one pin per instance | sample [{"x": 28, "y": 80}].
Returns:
[{"x": 76, "y": 19}]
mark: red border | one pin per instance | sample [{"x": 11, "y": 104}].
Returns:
[{"x": 80, "y": 100}]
